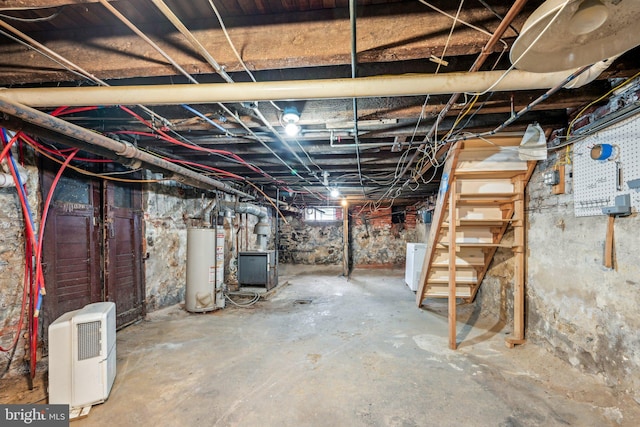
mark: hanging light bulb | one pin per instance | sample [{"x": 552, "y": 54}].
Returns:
[
  {"x": 335, "y": 193},
  {"x": 290, "y": 118}
]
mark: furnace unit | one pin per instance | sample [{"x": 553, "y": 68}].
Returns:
[{"x": 257, "y": 268}]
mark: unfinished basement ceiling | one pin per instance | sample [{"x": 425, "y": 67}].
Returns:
[{"x": 286, "y": 40}]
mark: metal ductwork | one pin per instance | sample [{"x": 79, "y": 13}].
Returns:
[
  {"x": 206, "y": 212},
  {"x": 262, "y": 228}
]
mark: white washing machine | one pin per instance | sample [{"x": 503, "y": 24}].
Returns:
[{"x": 415, "y": 258}]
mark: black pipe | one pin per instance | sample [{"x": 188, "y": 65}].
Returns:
[{"x": 354, "y": 74}]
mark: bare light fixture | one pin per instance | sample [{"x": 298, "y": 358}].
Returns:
[
  {"x": 335, "y": 193},
  {"x": 290, "y": 118}
]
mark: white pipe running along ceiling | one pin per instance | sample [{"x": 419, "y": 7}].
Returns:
[{"x": 363, "y": 87}]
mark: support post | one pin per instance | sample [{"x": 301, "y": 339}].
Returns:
[
  {"x": 608, "y": 243},
  {"x": 276, "y": 242},
  {"x": 452, "y": 265},
  {"x": 519, "y": 265},
  {"x": 345, "y": 239}
]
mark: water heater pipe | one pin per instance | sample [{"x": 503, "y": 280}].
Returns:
[
  {"x": 262, "y": 228},
  {"x": 206, "y": 212}
]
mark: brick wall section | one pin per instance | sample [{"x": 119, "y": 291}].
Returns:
[
  {"x": 411, "y": 218},
  {"x": 382, "y": 217},
  {"x": 378, "y": 219}
]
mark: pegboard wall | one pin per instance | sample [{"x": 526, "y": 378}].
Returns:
[{"x": 596, "y": 183}]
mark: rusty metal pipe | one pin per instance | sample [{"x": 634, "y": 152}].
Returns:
[{"x": 100, "y": 144}]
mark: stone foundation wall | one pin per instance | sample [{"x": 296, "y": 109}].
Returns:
[
  {"x": 168, "y": 211},
  {"x": 12, "y": 244},
  {"x": 310, "y": 243},
  {"x": 576, "y": 308},
  {"x": 375, "y": 240}
]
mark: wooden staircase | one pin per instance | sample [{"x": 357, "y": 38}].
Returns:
[{"x": 481, "y": 194}]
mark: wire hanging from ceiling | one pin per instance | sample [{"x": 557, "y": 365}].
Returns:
[
  {"x": 39, "y": 19},
  {"x": 494, "y": 38},
  {"x": 203, "y": 51},
  {"x": 48, "y": 53},
  {"x": 223, "y": 27},
  {"x": 68, "y": 65},
  {"x": 389, "y": 191},
  {"x": 354, "y": 73}
]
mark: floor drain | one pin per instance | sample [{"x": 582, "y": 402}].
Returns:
[{"x": 303, "y": 301}]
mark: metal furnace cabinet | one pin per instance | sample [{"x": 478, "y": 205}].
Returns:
[{"x": 256, "y": 268}]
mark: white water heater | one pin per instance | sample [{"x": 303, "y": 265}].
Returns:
[
  {"x": 82, "y": 355},
  {"x": 205, "y": 270}
]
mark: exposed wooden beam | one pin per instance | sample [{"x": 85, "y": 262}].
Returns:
[
  {"x": 41, "y": 4},
  {"x": 293, "y": 40}
]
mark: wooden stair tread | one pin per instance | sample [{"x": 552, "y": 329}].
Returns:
[
  {"x": 459, "y": 266},
  {"x": 443, "y": 291},
  {"x": 460, "y": 282},
  {"x": 479, "y": 245},
  {"x": 480, "y": 222},
  {"x": 488, "y": 173},
  {"x": 461, "y": 196},
  {"x": 485, "y": 201}
]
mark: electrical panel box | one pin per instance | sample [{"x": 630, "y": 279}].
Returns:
[{"x": 256, "y": 268}]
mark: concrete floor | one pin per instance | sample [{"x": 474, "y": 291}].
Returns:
[{"x": 324, "y": 351}]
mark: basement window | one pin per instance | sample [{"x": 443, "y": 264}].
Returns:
[
  {"x": 70, "y": 190},
  {"x": 323, "y": 214}
]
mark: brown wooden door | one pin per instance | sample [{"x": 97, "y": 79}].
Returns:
[
  {"x": 123, "y": 277},
  {"x": 71, "y": 247},
  {"x": 92, "y": 247}
]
